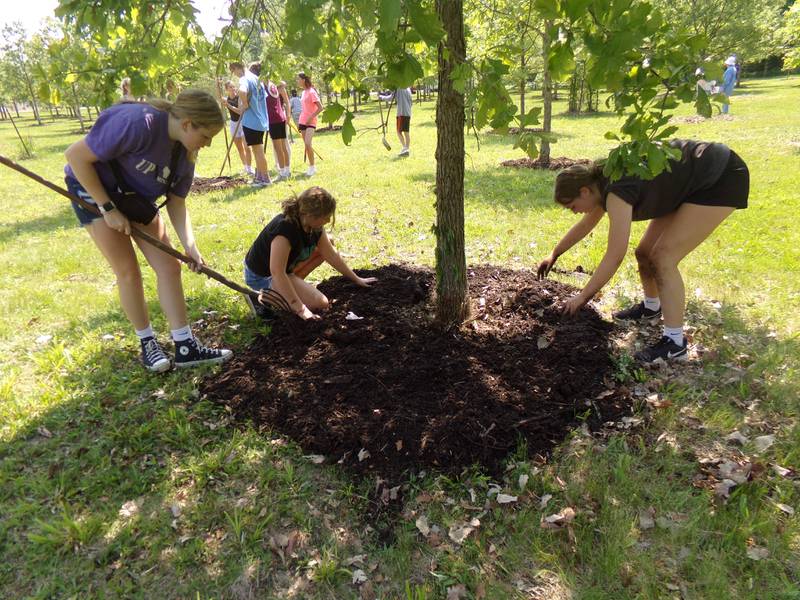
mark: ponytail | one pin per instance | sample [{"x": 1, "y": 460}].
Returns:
[{"x": 306, "y": 80}]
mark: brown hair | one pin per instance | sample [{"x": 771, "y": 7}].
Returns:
[
  {"x": 198, "y": 106},
  {"x": 313, "y": 202},
  {"x": 254, "y": 68},
  {"x": 570, "y": 181},
  {"x": 306, "y": 79},
  {"x": 235, "y": 65}
]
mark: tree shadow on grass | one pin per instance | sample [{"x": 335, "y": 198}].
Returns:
[{"x": 65, "y": 217}]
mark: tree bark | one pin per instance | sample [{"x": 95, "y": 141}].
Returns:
[
  {"x": 78, "y": 107},
  {"x": 452, "y": 302},
  {"x": 33, "y": 96},
  {"x": 547, "y": 92},
  {"x": 522, "y": 85}
]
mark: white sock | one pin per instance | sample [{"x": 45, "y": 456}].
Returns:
[
  {"x": 182, "y": 334},
  {"x": 652, "y": 303},
  {"x": 675, "y": 334},
  {"x": 147, "y": 332}
]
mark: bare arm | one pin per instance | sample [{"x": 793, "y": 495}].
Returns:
[
  {"x": 82, "y": 160},
  {"x": 244, "y": 103},
  {"x": 334, "y": 259},
  {"x": 619, "y": 233},
  {"x": 278, "y": 259},
  {"x": 578, "y": 231},
  {"x": 179, "y": 217},
  {"x": 235, "y": 109}
]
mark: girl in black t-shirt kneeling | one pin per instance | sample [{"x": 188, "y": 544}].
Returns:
[
  {"x": 683, "y": 204},
  {"x": 292, "y": 245}
]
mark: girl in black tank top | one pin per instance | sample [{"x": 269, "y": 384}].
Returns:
[{"x": 705, "y": 183}]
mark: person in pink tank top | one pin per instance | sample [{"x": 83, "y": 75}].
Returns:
[
  {"x": 312, "y": 106},
  {"x": 277, "y": 104}
]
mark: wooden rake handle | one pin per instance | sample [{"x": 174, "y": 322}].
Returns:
[{"x": 208, "y": 272}]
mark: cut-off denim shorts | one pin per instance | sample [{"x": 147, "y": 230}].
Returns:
[
  {"x": 84, "y": 216},
  {"x": 256, "y": 282}
]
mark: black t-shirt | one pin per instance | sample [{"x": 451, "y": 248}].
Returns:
[
  {"x": 302, "y": 245},
  {"x": 235, "y": 102},
  {"x": 700, "y": 166}
]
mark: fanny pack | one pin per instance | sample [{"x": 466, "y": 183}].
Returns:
[{"x": 133, "y": 205}]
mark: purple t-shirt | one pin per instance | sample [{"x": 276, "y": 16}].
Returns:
[{"x": 136, "y": 135}]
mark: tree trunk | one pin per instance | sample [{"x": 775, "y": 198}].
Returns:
[
  {"x": 522, "y": 85},
  {"x": 547, "y": 93},
  {"x": 452, "y": 302},
  {"x": 16, "y": 108},
  {"x": 78, "y": 108},
  {"x": 33, "y": 96}
]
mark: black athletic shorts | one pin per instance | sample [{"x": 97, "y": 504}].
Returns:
[
  {"x": 277, "y": 131},
  {"x": 253, "y": 137},
  {"x": 403, "y": 123},
  {"x": 731, "y": 189},
  {"x": 302, "y": 127}
]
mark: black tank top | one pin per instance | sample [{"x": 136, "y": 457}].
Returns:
[{"x": 235, "y": 102}]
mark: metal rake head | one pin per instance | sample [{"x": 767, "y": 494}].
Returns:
[{"x": 273, "y": 299}]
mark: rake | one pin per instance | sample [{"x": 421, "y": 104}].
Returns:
[{"x": 263, "y": 297}]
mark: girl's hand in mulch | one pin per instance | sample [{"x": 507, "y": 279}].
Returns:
[
  {"x": 195, "y": 255},
  {"x": 366, "y": 281},
  {"x": 573, "y": 305}
]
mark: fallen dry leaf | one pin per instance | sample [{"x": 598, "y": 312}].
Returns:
[
  {"x": 542, "y": 342},
  {"x": 457, "y": 592},
  {"x": 505, "y": 499},
  {"x": 459, "y": 532},
  {"x": 558, "y": 520},
  {"x": 363, "y": 454},
  {"x": 757, "y": 553},
  {"x": 317, "y": 459},
  {"x": 129, "y": 509},
  {"x": 544, "y": 500},
  {"x": 359, "y": 577},
  {"x": 44, "y": 431},
  {"x": 785, "y": 508},
  {"x": 522, "y": 481},
  {"x": 646, "y": 520},
  {"x": 422, "y": 525},
  {"x": 737, "y": 438},
  {"x": 763, "y": 442},
  {"x": 782, "y": 471},
  {"x": 724, "y": 487}
]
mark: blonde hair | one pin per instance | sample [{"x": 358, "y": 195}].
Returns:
[
  {"x": 570, "y": 181},
  {"x": 313, "y": 202},
  {"x": 200, "y": 107}
]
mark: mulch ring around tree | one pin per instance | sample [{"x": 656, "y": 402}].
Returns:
[
  {"x": 202, "y": 185},
  {"x": 553, "y": 164},
  {"x": 375, "y": 387}
]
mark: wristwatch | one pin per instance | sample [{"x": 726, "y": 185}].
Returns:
[{"x": 107, "y": 207}]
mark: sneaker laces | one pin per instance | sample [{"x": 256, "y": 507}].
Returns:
[
  {"x": 152, "y": 351},
  {"x": 204, "y": 351}
]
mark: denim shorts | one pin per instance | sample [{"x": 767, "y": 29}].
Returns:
[
  {"x": 256, "y": 282},
  {"x": 85, "y": 217}
]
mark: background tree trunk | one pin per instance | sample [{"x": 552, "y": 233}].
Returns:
[
  {"x": 547, "y": 93},
  {"x": 452, "y": 302},
  {"x": 78, "y": 108}
]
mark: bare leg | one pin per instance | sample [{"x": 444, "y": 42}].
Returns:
[
  {"x": 308, "y": 136},
  {"x": 690, "y": 226},
  {"x": 168, "y": 273},
  {"x": 280, "y": 153},
  {"x": 244, "y": 151},
  {"x": 303, "y": 269},
  {"x": 309, "y": 294},
  {"x": 262, "y": 169},
  {"x": 118, "y": 251},
  {"x": 647, "y": 271}
]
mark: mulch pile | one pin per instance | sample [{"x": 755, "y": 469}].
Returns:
[
  {"x": 700, "y": 119},
  {"x": 554, "y": 164},
  {"x": 389, "y": 393},
  {"x": 202, "y": 185},
  {"x": 516, "y": 130}
]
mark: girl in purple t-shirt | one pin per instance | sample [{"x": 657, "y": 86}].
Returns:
[{"x": 144, "y": 141}]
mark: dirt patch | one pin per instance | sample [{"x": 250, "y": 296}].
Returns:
[
  {"x": 700, "y": 119},
  {"x": 388, "y": 393},
  {"x": 554, "y": 164},
  {"x": 203, "y": 185},
  {"x": 517, "y": 130}
]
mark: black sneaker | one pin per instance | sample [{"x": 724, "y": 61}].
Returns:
[
  {"x": 191, "y": 353},
  {"x": 665, "y": 349},
  {"x": 153, "y": 356},
  {"x": 638, "y": 312}
]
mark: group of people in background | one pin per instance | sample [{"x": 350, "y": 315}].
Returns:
[
  {"x": 260, "y": 107},
  {"x": 730, "y": 78}
]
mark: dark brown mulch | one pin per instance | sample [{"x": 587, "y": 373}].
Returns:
[
  {"x": 516, "y": 130},
  {"x": 554, "y": 164},
  {"x": 202, "y": 185},
  {"x": 390, "y": 393}
]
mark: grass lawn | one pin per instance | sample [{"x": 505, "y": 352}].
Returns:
[{"x": 116, "y": 483}]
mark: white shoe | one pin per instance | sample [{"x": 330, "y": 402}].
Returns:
[
  {"x": 249, "y": 171},
  {"x": 403, "y": 152},
  {"x": 311, "y": 171}
]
